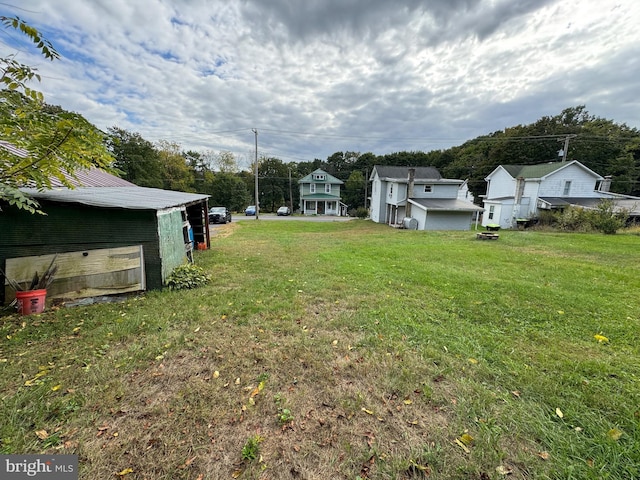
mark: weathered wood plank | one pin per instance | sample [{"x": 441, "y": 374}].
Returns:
[{"x": 84, "y": 273}]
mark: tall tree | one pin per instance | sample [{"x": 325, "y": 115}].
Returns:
[
  {"x": 177, "y": 174},
  {"x": 137, "y": 159},
  {"x": 42, "y": 142}
]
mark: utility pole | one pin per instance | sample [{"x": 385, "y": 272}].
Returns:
[
  {"x": 255, "y": 131},
  {"x": 290, "y": 192},
  {"x": 565, "y": 150},
  {"x": 366, "y": 185}
]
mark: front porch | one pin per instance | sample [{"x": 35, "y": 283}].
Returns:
[{"x": 324, "y": 207}]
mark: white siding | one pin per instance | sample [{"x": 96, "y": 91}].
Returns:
[
  {"x": 437, "y": 191},
  {"x": 377, "y": 200},
  {"x": 501, "y": 184},
  {"x": 583, "y": 183}
]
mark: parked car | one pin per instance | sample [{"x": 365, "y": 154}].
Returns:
[
  {"x": 283, "y": 211},
  {"x": 219, "y": 215},
  {"x": 251, "y": 210}
]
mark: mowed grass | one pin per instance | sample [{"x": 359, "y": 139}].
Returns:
[{"x": 344, "y": 351}]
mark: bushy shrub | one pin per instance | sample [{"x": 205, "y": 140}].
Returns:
[
  {"x": 574, "y": 219},
  {"x": 603, "y": 218},
  {"x": 362, "y": 212},
  {"x": 186, "y": 276},
  {"x": 606, "y": 219}
]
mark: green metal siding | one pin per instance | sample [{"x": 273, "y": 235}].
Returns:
[
  {"x": 73, "y": 227},
  {"x": 172, "y": 241}
]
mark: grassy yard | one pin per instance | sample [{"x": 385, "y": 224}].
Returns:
[{"x": 345, "y": 351}]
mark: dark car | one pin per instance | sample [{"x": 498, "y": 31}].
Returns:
[
  {"x": 219, "y": 215},
  {"x": 283, "y": 211}
]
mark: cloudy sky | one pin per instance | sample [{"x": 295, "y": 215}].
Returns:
[{"x": 319, "y": 76}]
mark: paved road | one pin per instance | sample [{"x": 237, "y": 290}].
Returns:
[{"x": 303, "y": 218}]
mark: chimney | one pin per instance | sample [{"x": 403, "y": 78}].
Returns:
[
  {"x": 605, "y": 185},
  {"x": 410, "y": 183}
]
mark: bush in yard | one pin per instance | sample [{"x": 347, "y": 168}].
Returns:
[
  {"x": 186, "y": 276},
  {"x": 605, "y": 219},
  {"x": 574, "y": 219},
  {"x": 362, "y": 212}
]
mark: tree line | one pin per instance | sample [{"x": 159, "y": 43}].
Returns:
[{"x": 606, "y": 147}]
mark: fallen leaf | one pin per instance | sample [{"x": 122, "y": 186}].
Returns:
[
  {"x": 516, "y": 393},
  {"x": 466, "y": 439},
  {"x": 502, "y": 470},
  {"x": 56, "y": 388},
  {"x": 237, "y": 381},
  {"x": 42, "y": 434},
  {"x": 257, "y": 390},
  {"x": 236, "y": 474},
  {"x": 196, "y": 330},
  {"x": 366, "y": 411},
  {"x": 462, "y": 445},
  {"x": 408, "y": 401},
  {"x": 559, "y": 413},
  {"x": 601, "y": 338},
  {"x": 544, "y": 455},
  {"x": 216, "y": 374},
  {"x": 614, "y": 434},
  {"x": 473, "y": 361},
  {"x": 124, "y": 472}
]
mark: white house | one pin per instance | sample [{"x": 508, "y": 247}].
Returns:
[
  {"x": 419, "y": 198},
  {"x": 520, "y": 192}
]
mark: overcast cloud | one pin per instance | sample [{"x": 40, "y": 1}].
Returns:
[{"x": 319, "y": 76}]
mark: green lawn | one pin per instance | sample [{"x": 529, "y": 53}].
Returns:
[{"x": 346, "y": 350}]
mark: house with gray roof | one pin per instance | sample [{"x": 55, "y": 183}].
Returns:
[
  {"x": 419, "y": 198},
  {"x": 517, "y": 193}
]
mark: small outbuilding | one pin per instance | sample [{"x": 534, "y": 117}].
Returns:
[{"x": 108, "y": 236}]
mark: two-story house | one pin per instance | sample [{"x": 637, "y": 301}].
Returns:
[
  {"x": 520, "y": 192},
  {"x": 320, "y": 194},
  {"x": 419, "y": 198}
]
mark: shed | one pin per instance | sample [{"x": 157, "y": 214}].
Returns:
[{"x": 111, "y": 223}]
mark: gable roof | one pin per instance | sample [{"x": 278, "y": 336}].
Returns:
[
  {"x": 542, "y": 170},
  {"x": 399, "y": 174},
  {"x": 328, "y": 178}
]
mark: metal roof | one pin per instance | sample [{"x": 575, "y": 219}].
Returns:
[
  {"x": 92, "y": 177},
  {"x": 446, "y": 204},
  {"x": 132, "y": 198},
  {"x": 328, "y": 178},
  {"x": 320, "y": 196},
  {"x": 386, "y": 172},
  {"x": 632, "y": 204}
]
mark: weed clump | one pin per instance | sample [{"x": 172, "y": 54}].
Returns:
[{"x": 187, "y": 276}]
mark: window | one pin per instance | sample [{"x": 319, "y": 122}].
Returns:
[
  {"x": 427, "y": 188},
  {"x": 312, "y": 188},
  {"x": 327, "y": 188},
  {"x": 318, "y": 176},
  {"x": 492, "y": 209},
  {"x": 567, "y": 187}
]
